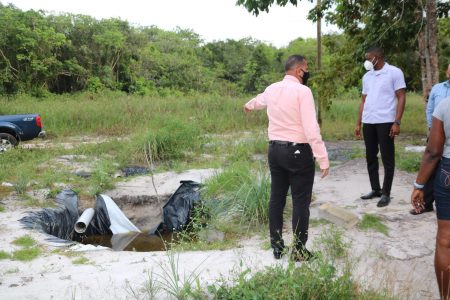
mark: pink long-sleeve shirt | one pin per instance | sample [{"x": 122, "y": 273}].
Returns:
[{"x": 292, "y": 115}]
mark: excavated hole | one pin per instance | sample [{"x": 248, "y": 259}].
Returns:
[{"x": 146, "y": 213}]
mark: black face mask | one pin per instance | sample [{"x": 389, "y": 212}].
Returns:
[{"x": 305, "y": 77}]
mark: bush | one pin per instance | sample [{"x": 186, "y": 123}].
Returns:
[
  {"x": 173, "y": 140},
  {"x": 316, "y": 280}
]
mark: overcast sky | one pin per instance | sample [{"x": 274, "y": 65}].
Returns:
[{"x": 211, "y": 19}]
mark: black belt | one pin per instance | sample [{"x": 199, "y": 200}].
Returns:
[{"x": 285, "y": 143}]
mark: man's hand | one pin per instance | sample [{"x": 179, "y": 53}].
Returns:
[
  {"x": 358, "y": 131},
  {"x": 324, "y": 172},
  {"x": 247, "y": 110},
  {"x": 417, "y": 200},
  {"x": 395, "y": 130}
]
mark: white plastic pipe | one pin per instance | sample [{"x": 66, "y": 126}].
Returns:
[{"x": 84, "y": 220}]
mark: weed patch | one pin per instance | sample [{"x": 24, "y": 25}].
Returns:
[
  {"x": 373, "y": 222},
  {"x": 24, "y": 241},
  {"x": 409, "y": 162},
  {"x": 316, "y": 280},
  {"x": 4, "y": 255},
  {"x": 26, "y": 254},
  {"x": 81, "y": 261},
  {"x": 332, "y": 244}
]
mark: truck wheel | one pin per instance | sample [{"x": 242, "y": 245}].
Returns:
[{"x": 7, "y": 142}]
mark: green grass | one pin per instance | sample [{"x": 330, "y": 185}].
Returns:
[
  {"x": 26, "y": 254},
  {"x": 373, "y": 222},
  {"x": 340, "y": 120},
  {"x": 4, "y": 255},
  {"x": 240, "y": 193},
  {"x": 317, "y": 280},
  {"x": 178, "y": 131},
  {"x": 407, "y": 161},
  {"x": 24, "y": 241},
  {"x": 81, "y": 261},
  {"x": 2, "y": 208},
  {"x": 317, "y": 222},
  {"x": 116, "y": 114}
]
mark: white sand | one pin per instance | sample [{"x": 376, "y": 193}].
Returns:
[{"x": 401, "y": 262}]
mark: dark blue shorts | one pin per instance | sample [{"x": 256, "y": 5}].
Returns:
[{"x": 442, "y": 189}]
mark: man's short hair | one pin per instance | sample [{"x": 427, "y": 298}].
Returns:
[
  {"x": 375, "y": 50},
  {"x": 293, "y": 61}
]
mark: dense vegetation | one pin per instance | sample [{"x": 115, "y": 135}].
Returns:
[{"x": 42, "y": 53}]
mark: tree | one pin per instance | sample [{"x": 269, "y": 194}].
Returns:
[{"x": 396, "y": 26}]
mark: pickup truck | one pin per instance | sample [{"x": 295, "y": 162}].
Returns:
[{"x": 17, "y": 128}]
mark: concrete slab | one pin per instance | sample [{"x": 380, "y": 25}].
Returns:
[{"x": 338, "y": 215}]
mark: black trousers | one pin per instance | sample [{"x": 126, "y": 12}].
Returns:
[
  {"x": 376, "y": 138},
  {"x": 290, "y": 166}
]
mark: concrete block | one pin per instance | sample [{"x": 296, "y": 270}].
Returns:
[{"x": 338, "y": 215}]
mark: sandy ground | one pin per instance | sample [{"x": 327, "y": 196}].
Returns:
[{"x": 402, "y": 262}]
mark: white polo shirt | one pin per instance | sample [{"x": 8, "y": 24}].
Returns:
[{"x": 379, "y": 86}]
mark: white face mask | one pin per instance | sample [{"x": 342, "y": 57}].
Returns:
[{"x": 369, "y": 65}]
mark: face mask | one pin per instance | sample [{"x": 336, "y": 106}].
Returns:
[
  {"x": 369, "y": 65},
  {"x": 305, "y": 77}
]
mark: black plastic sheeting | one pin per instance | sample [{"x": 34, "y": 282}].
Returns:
[
  {"x": 177, "y": 211},
  {"x": 135, "y": 170},
  {"x": 60, "y": 221}
]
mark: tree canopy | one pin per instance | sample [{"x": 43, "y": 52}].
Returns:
[{"x": 42, "y": 53}]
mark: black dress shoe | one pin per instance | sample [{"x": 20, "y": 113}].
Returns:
[
  {"x": 384, "y": 201},
  {"x": 302, "y": 255},
  {"x": 277, "y": 254},
  {"x": 415, "y": 213},
  {"x": 371, "y": 194}
]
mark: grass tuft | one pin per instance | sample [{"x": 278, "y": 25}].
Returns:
[
  {"x": 26, "y": 254},
  {"x": 81, "y": 261},
  {"x": 373, "y": 222},
  {"x": 24, "y": 241},
  {"x": 4, "y": 255}
]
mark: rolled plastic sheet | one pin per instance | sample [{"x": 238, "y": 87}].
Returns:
[{"x": 119, "y": 222}]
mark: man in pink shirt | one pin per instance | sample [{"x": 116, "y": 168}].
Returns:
[{"x": 294, "y": 142}]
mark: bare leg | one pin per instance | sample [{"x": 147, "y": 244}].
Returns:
[{"x": 442, "y": 258}]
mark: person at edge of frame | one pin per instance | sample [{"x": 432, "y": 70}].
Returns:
[
  {"x": 436, "y": 159},
  {"x": 439, "y": 92},
  {"x": 294, "y": 142}
]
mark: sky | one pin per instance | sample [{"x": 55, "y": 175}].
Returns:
[{"x": 213, "y": 20}]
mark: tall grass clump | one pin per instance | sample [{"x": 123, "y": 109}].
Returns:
[
  {"x": 242, "y": 194},
  {"x": 173, "y": 139},
  {"x": 317, "y": 280},
  {"x": 179, "y": 286}
]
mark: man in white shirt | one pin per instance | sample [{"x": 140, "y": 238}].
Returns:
[{"x": 380, "y": 113}]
